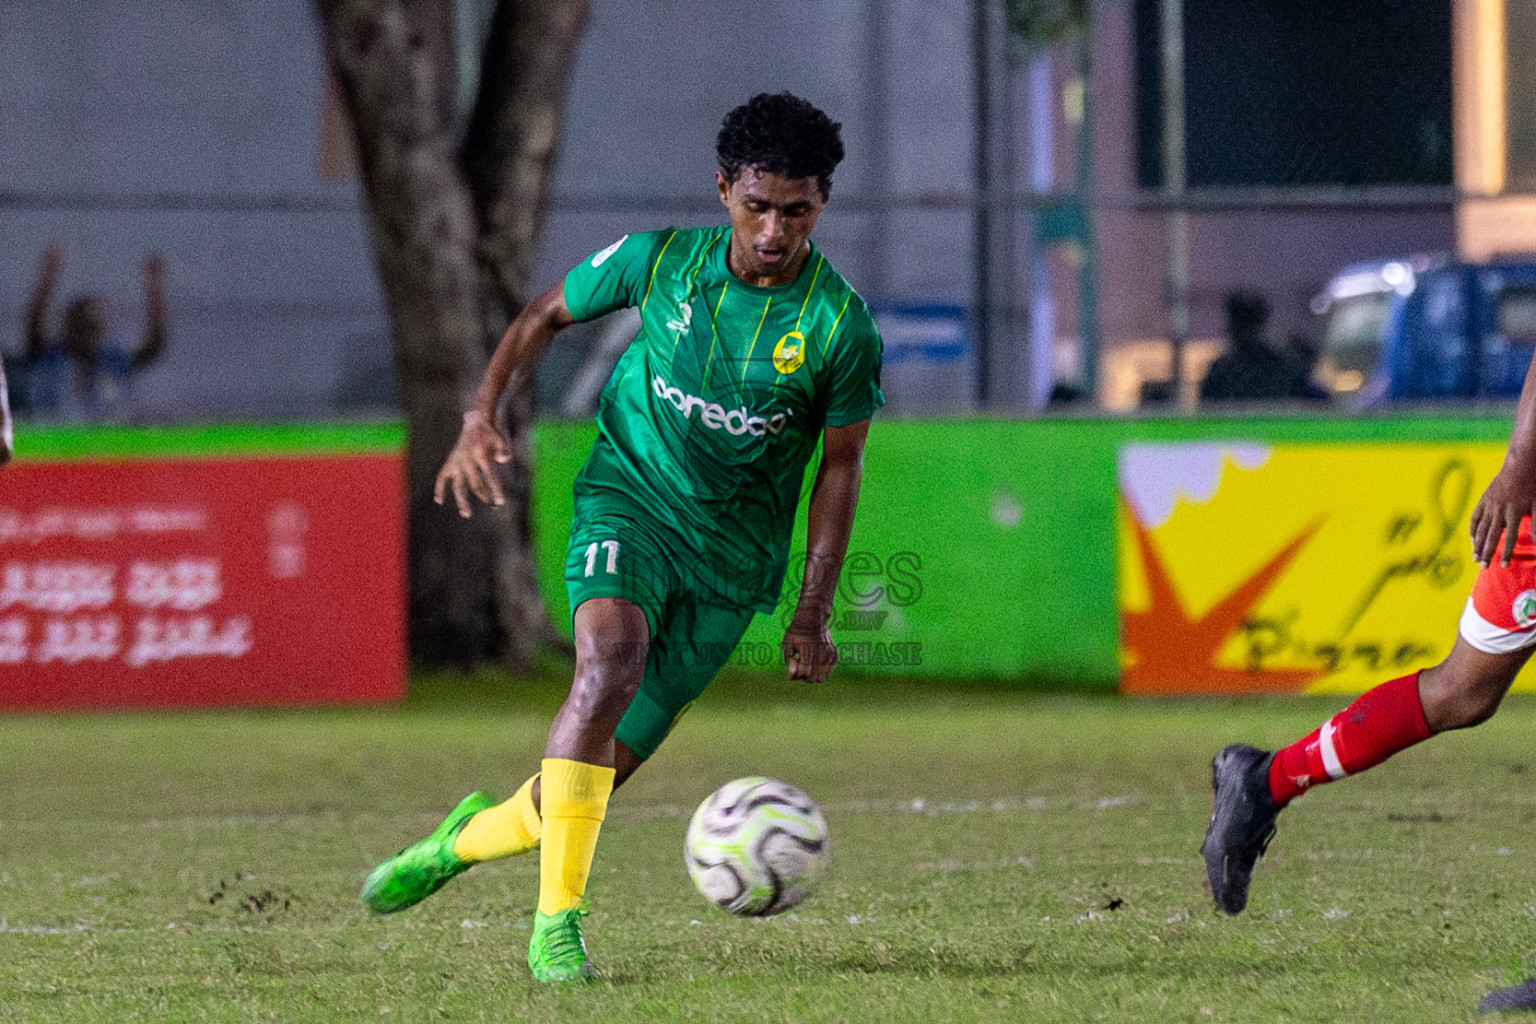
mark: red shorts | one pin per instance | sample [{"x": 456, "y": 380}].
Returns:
[{"x": 1500, "y": 616}]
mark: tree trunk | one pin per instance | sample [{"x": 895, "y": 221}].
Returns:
[
  {"x": 453, "y": 271},
  {"x": 509, "y": 154}
]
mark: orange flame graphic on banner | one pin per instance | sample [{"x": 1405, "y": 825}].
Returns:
[{"x": 1167, "y": 651}]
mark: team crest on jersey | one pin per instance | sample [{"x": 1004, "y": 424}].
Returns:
[
  {"x": 789, "y": 353},
  {"x": 1523, "y": 608}
]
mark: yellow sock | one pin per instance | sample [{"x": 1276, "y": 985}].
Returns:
[
  {"x": 575, "y": 799},
  {"x": 501, "y": 831}
]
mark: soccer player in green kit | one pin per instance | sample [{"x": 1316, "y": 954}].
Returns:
[{"x": 751, "y": 350}]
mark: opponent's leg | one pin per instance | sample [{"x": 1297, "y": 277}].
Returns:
[
  {"x": 612, "y": 637},
  {"x": 1382, "y": 721},
  {"x": 1252, "y": 786},
  {"x": 1467, "y": 688}
]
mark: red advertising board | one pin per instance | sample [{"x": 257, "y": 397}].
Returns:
[{"x": 202, "y": 581}]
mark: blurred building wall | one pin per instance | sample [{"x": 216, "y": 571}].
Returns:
[
  {"x": 194, "y": 128},
  {"x": 187, "y": 128},
  {"x": 1281, "y": 242}
]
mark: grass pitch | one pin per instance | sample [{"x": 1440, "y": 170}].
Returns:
[{"x": 997, "y": 855}]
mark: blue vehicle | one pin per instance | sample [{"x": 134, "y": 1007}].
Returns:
[{"x": 1427, "y": 329}]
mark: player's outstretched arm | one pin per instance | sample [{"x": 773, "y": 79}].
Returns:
[
  {"x": 471, "y": 466},
  {"x": 1512, "y": 494},
  {"x": 808, "y": 650}
]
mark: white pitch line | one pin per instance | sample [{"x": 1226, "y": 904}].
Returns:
[{"x": 619, "y": 810}]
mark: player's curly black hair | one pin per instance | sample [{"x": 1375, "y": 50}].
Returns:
[{"x": 780, "y": 133}]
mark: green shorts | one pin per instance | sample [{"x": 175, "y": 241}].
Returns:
[{"x": 691, "y": 638}]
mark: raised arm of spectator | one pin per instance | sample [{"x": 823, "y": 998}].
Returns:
[
  {"x": 5, "y": 419},
  {"x": 152, "y": 344},
  {"x": 41, "y": 300}
]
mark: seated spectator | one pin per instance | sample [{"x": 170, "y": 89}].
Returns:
[
  {"x": 85, "y": 371},
  {"x": 1304, "y": 353},
  {"x": 1251, "y": 369}
]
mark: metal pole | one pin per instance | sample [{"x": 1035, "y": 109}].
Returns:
[
  {"x": 878, "y": 120},
  {"x": 1175, "y": 175},
  {"x": 1088, "y": 275},
  {"x": 981, "y": 220},
  {"x": 1042, "y": 181}
]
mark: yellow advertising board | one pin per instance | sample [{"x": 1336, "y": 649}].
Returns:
[{"x": 1293, "y": 568}]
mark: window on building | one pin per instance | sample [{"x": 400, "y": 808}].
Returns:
[{"x": 1303, "y": 92}]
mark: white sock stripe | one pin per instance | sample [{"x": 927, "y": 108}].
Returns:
[{"x": 1330, "y": 755}]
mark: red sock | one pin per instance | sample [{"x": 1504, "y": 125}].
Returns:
[{"x": 1381, "y": 722}]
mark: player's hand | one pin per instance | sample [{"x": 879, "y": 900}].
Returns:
[
  {"x": 808, "y": 650},
  {"x": 1496, "y": 519},
  {"x": 471, "y": 466}
]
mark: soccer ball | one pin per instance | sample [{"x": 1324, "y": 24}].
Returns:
[{"x": 757, "y": 846}]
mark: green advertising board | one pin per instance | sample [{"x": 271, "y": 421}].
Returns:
[{"x": 986, "y": 548}]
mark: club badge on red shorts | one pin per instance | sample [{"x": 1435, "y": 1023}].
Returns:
[{"x": 1523, "y": 608}]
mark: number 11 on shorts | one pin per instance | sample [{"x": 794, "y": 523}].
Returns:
[{"x": 610, "y": 546}]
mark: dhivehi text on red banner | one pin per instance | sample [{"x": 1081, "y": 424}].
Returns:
[{"x": 202, "y": 581}]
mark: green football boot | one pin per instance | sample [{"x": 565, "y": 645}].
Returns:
[
  {"x": 557, "y": 952},
  {"x": 424, "y": 867}
]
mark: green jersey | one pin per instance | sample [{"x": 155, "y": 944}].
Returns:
[{"x": 716, "y": 407}]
